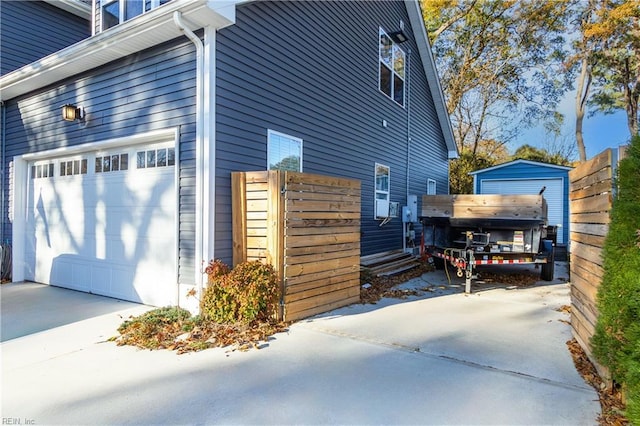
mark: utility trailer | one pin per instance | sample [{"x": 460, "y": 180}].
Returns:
[{"x": 471, "y": 230}]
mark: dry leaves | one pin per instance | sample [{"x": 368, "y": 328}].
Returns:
[{"x": 611, "y": 402}]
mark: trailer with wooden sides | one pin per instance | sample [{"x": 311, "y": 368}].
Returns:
[{"x": 466, "y": 231}]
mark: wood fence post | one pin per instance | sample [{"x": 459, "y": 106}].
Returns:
[
  {"x": 275, "y": 229},
  {"x": 239, "y": 216}
]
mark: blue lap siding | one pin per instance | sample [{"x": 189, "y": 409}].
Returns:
[
  {"x": 306, "y": 69},
  {"x": 310, "y": 70},
  {"x": 31, "y": 30},
  {"x": 151, "y": 90}
]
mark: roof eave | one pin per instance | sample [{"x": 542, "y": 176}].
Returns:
[
  {"x": 75, "y": 7},
  {"x": 142, "y": 32},
  {"x": 424, "y": 49},
  {"x": 521, "y": 161}
]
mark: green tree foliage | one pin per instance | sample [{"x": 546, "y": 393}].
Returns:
[
  {"x": 528, "y": 152},
  {"x": 614, "y": 35},
  {"x": 500, "y": 61},
  {"x": 616, "y": 342},
  {"x": 607, "y": 53},
  {"x": 489, "y": 153}
]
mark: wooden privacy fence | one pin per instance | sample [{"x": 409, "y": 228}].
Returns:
[
  {"x": 308, "y": 227},
  {"x": 591, "y": 196}
]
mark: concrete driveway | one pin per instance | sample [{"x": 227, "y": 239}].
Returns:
[{"x": 497, "y": 356}]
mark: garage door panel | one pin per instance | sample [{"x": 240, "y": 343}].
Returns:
[
  {"x": 553, "y": 194},
  {"x": 111, "y": 233}
]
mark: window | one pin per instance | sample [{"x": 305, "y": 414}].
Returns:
[
  {"x": 42, "y": 171},
  {"x": 382, "y": 191},
  {"x": 162, "y": 157},
  {"x": 391, "y": 68},
  {"x": 283, "y": 152},
  {"x": 73, "y": 167},
  {"x": 115, "y": 12},
  {"x": 431, "y": 187},
  {"x": 112, "y": 163}
]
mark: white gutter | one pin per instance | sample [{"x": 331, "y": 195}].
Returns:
[{"x": 201, "y": 230}]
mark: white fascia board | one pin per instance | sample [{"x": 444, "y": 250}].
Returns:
[
  {"x": 75, "y": 7},
  {"x": 139, "y": 33},
  {"x": 521, "y": 161},
  {"x": 424, "y": 49}
]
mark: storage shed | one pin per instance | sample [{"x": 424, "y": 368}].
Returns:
[{"x": 530, "y": 177}]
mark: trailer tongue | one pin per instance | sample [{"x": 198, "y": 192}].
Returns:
[{"x": 470, "y": 230}]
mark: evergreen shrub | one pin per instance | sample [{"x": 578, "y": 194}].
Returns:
[{"x": 616, "y": 342}]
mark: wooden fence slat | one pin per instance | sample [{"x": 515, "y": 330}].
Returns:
[
  {"x": 325, "y": 299},
  {"x": 322, "y": 215},
  {"x": 318, "y": 291},
  {"x": 602, "y": 175},
  {"x": 321, "y": 196},
  {"x": 602, "y": 217},
  {"x": 320, "y": 240},
  {"x": 595, "y": 204},
  {"x": 296, "y": 188},
  {"x": 309, "y": 223},
  {"x": 320, "y": 230},
  {"x": 591, "y": 166},
  {"x": 304, "y": 250},
  {"x": 592, "y": 240},
  {"x": 322, "y": 206},
  {"x": 291, "y": 281},
  {"x": 308, "y": 285},
  {"x": 320, "y": 265},
  {"x": 593, "y": 229},
  {"x": 314, "y": 179},
  {"x": 310, "y": 258},
  {"x": 590, "y": 191},
  {"x": 585, "y": 252}
]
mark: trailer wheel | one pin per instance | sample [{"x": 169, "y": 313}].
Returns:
[{"x": 547, "y": 270}]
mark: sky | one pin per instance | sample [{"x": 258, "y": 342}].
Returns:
[{"x": 600, "y": 131}]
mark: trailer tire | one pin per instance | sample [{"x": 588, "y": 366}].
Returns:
[
  {"x": 438, "y": 263},
  {"x": 548, "y": 269}
]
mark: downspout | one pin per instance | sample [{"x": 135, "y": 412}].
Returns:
[
  {"x": 3, "y": 143},
  {"x": 408, "y": 78},
  {"x": 200, "y": 229}
]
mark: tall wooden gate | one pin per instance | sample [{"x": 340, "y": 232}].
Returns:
[{"x": 308, "y": 227}]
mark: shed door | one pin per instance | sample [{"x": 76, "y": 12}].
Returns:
[
  {"x": 105, "y": 223},
  {"x": 553, "y": 194}
]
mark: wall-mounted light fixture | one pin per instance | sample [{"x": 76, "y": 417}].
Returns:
[
  {"x": 398, "y": 36},
  {"x": 72, "y": 113}
]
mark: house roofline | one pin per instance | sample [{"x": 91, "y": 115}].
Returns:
[
  {"x": 137, "y": 34},
  {"x": 433, "y": 79},
  {"x": 521, "y": 161},
  {"x": 75, "y": 7}
]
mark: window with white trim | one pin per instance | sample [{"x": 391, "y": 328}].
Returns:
[
  {"x": 284, "y": 152},
  {"x": 382, "y": 191},
  {"x": 391, "y": 68},
  {"x": 114, "y": 12}
]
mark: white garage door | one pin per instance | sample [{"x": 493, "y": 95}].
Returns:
[
  {"x": 104, "y": 222},
  {"x": 553, "y": 194}
]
